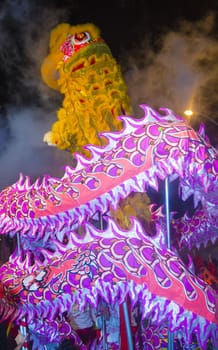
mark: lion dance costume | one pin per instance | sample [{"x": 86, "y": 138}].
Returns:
[{"x": 81, "y": 66}]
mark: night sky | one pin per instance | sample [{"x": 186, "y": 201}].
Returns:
[{"x": 168, "y": 53}]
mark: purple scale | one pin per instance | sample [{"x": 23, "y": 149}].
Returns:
[
  {"x": 31, "y": 214},
  {"x": 175, "y": 267},
  {"x": 73, "y": 280},
  {"x": 107, "y": 276},
  {"x": 148, "y": 253},
  {"x": 119, "y": 249},
  {"x": 92, "y": 182},
  {"x": 19, "y": 215},
  {"x": 200, "y": 154},
  {"x": 13, "y": 208},
  {"x": 149, "y": 333},
  {"x": 121, "y": 154},
  {"x": 153, "y": 130},
  {"x": 119, "y": 273},
  {"x": 129, "y": 144},
  {"x": 73, "y": 192},
  {"x": 211, "y": 297},
  {"x": 99, "y": 168},
  {"x": 137, "y": 158},
  {"x": 215, "y": 167},
  {"x": 78, "y": 178},
  {"x": 64, "y": 328},
  {"x": 38, "y": 203},
  {"x": 155, "y": 341},
  {"x": 135, "y": 242},
  {"x": 114, "y": 170},
  {"x": 47, "y": 295},
  {"x": 171, "y": 140},
  {"x": 143, "y": 144},
  {"x": 142, "y": 271},
  {"x": 25, "y": 207},
  {"x": 30, "y": 298},
  {"x": 139, "y": 132},
  {"x": 106, "y": 242},
  {"x": 162, "y": 149},
  {"x": 132, "y": 262},
  {"x": 208, "y": 166},
  {"x": 104, "y": 262},
  {"x": 189, "y": 290},
  {"x": 161, "y": 276},
  {"x": 85, "y": 282}
]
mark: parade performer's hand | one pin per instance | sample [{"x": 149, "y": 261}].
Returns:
[{"x": 20, "y": 339}]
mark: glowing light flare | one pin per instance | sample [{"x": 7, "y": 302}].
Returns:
[{"x": 188, "y": 112}]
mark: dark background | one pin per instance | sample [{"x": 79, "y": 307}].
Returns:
[{"x": 168, "y": 52}]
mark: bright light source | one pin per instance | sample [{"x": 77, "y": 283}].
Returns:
[{"x": 188, "y": 113}]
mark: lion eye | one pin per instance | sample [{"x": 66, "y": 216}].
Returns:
[{"x": 80, "y": 38}]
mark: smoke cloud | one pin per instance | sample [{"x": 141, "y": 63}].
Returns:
[
  {"x": 182, "y": 73},
  {"x": 28, "y": 106},
  {"x": 25, "y": 152}
]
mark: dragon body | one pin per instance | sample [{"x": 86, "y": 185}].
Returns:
[
  {"x": 58, "y": 266},
  {"x": 76, "y": 248}
]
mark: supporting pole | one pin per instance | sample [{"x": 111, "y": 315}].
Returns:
[
  {"x": 170, "y": 334},
  {"x": 104, "y": 328},
  {"x": 139, "y": 324},
  {"x": 128, "y": 327},
  {"x": 23, "y": 325},
  {"x": 167, "y": 204},
  {"x": 104, "y": 334},
  {"x": 18, "y": 243},
  {"x": 23, "y": 331}
]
